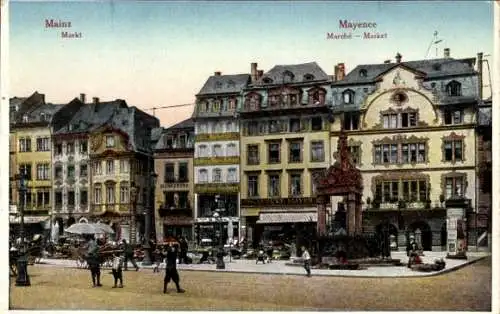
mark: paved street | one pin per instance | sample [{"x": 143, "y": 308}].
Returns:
[{"x": 468, "y": 288}]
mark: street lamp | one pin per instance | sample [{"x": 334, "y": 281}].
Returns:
[
  {"x": 149, "y": 213},
  {"x": 133, "y": 200},
  {"x": 23, "y": 278},
  {"x": 220, "y": 253}
]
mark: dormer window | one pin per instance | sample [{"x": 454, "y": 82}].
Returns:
[
  {"x": 363, "y": 73},
  {"x": 230, "y": 84},
  {"x": 436, "y": 67},
  {"x": 348, "y": 96},
  {"x": 308, "y": 77},
  {"x": 42, "y": 116},
  {"x": 454, "y": 88},
  {"x": 218, "y": 85},
  {"x": 287, "y": 77},
  {"x": 267, "y": 80}
]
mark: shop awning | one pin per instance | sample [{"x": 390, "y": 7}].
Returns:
[
  {"x": 28, "y": 219},
  {"x": 275, "y": 218}
]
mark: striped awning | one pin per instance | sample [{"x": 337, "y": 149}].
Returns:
[
  {"x": 28, "y": 219},
  {"x": 274, "y": 218}
]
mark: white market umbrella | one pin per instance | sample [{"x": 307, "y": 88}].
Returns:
[
  {"x": 83, "y": 228},
  {"x": 54, "y": 235},
  {"x": 104, "y": 228}
]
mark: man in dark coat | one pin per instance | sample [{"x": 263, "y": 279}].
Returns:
[
  {"x": 93, "y": 260},
  {"x": 128, "y": 253},
  {"x": 171, "y": 269},
  {"x": 184, "y": 249}
]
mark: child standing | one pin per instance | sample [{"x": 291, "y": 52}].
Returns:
[
  {"x": 158, "y": 258},
  {"x": 117, "y": 269}
]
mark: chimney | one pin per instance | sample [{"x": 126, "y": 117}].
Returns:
[
  {"x": 340, "y": 72},
  {"x": 253, "y": 71},
  {"x": 218, "y": 73},
  {"x": 398, "y": 57},
  {"x": 95, "y": 100},
  {"x": 480, "y": 75},
  {"x": 260, "y": 73},
  {"x": 387, "y": 61},
  {"x": 82, "y": 98},
  {"x": 446, "y": 53}
]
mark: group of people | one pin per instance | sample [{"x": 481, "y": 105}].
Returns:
[{"x": 120, "y": 264}]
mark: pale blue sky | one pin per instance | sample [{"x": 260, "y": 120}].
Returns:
[{"x": 160, "y": 53}]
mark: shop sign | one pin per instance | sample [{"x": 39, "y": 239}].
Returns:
[
  {"x": 177, "y": 186},
  {"x": 215, "y": 188},
  {"x": 218, "y": 137},
  {"x": 292, "y": 201}
]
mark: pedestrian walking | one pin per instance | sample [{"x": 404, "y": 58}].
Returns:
[
  {"x": 307, "y": 260},
  {"x": 158, "y": 258},
  {"x": 93, "y": 260},
  {"x": 117, "y": 270},
  {"x": 128, "y": 253},
  {"x": 171, "y": 272},
  {"x": 184, "y": 249}
]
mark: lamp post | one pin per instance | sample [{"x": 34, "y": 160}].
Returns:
[
  {"x": 149, "y": 211},
  {"x": 133, "y": 199},
  {"x": 220, "y": 253},
  {"x": 23, "y": 278}
]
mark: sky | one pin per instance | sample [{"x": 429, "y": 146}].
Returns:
[{"x": 160, "y": 53}]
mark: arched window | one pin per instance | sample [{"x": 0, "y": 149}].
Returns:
[
  {"x": 363, "y": 73},
  {"x": 287, "y": 77},
  {"x": 231, "y": 175},
  {"x": 202, "y": 175},
  {"x": 217, "y": 175},
  {"x": 454, "y": 88},
  {"x": 231, "y": 150},
  {"x": 229, "y": 127},
  {"x": 308, "y": 77},
  {"x": 267, "y": 80},
  {"x": 217, "y": 150},
  {"x": 348, "y": 96},
  {"x": 203, "y": 151}
]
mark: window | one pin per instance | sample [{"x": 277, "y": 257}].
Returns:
[
  {"x": 355, "y": 151},
  {"x": 202, "y": 128},
  {"x": 363, "y": 73},
  {"x": 169, "y": 175},
  {"x": 98, "y": 195},
  {"x": 453, "y": 150},
  {"x": 183, "y": 172},
  {"x": 71, "y": 171},
  {"x": 124, "y": 194},
  {"x": 83, "y": 147},
  {"x": 58, "y": 198},
  {"x": 274, "y": 126},
  {"x": 110, "y": 166},
  {"x": 232, "y": 104},
  {"x": 59, "y": 149},
  {"x": 97, "y": 166},
  {"x": 351, "y": 121},
  {"x": 314, "y": 173},
  {"x": 308, "y": 77},
  {"x": 83, "y": 171},
  {"x": 316, "y": 124},
  {"x": 42, "y": 144},
  {"x": 231, "y": 175},
  {"x": 231, "y": 150},
  {"x": 295, "y": 184},
  {"x": 58, "y": 172},
  {"x": 455, "y": 187},
  {"x": 124, "y": 166},
  {"x": 294, "y": 125},
  {"x": 230, "y": 127},
  {"x": 203, "y": 151},
  {"x": 390, "y": 121},
  {"x": 110, "y": 194},
  {"x": 253, "y": 154},
  {"x": 218, "y": 127},
  {"x": 274, "y": 185},
  {"x": 253, "y": 128},
  {"x": 182, "y": 141},
  {"x": 110, "y": 141},
  {"x": 386, "y": 153},
  {"x": 454, "y": 88},
  {"x": 453, "y": 117},
  {"x": 253, "y": 185},
  {"x": 217, "y": 175},
  {"x": 43, "y": 199},
  {"x": 183, "y": 199},
  {"x": 71, "y": 198},
  {"x": 414, "y": 190},
  {"x": 295, "y": 152},
  {"x": 317, "y": 151},
  {"x": 70, "y": 148},
  {"x": 274, "y": 153},
  {"x": 348, "y": 96},
  {"x": 203, "y": 175},
  {"x": 216, "y": 103},
  {"x": 217, "y": 150},
  {"x": 408, "y": 119},
  {"x": 26, "y": 170},
  {"x": 42, "y": 172},
  {"x": 84, "y": 198},
  {"x": 25, "y": 145},
  {"x": 387, "y": 191}
]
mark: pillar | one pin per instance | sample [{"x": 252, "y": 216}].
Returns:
[
  {"x": 359, "y": 215},
  {"x": 321, "y": 225},
  {"x": 351, "y": 214}
]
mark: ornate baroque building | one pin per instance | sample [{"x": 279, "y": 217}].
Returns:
[
  {"x": 217, "y": 151},
  {"x": 174, "y": 193},
  {"x": 412, "y": 131},
  {"x": 285, "y": 137}
]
